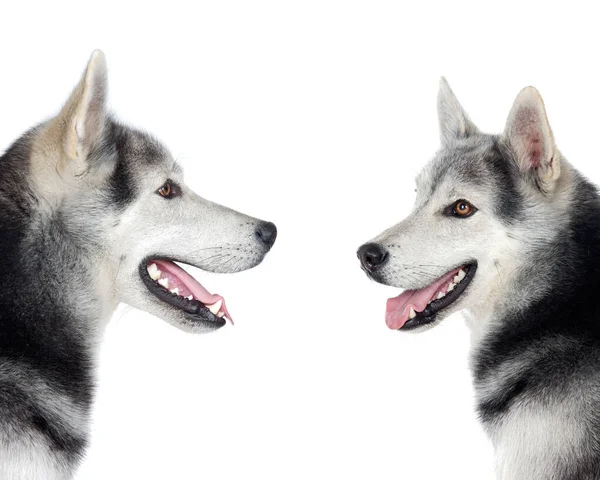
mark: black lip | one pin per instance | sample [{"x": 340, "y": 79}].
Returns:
[
  {"x": 429, "y": 314},
  {"x": 193, "y": 309}
]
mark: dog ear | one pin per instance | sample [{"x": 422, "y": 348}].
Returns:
[
  {"x": 82, "y": 120},
  {"x": 454, "y": 122},
  {"x": 530, "y": 138}
]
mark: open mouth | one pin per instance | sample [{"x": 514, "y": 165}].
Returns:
[
  {"x": 414, "y": 308},
  {"x": 177, "y": 288}
]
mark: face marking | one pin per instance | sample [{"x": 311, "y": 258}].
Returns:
[
  {"x": 84, "y": 227},
  {"x": 111, "y": 184},
  {"x": 485, "y": 199}
]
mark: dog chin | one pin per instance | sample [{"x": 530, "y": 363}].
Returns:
[{"x": 192, "y": 325}]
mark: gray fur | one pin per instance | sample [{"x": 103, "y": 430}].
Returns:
[
  {"x": 531, "y": 305},
  {"x": 80, "y": 214}
]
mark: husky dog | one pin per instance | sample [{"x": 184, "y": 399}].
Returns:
[
  {"x": 506, "y": 229},
  {"x": 93, "y": 213}
]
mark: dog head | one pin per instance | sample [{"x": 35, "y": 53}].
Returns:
[
  {"x": 123, "y": 203},
  {"x": 484, "y": 202}
]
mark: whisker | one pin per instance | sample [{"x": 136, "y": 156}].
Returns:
[
  {"x": 214, "y": 258},
  {"x": 225, "y": 263}
]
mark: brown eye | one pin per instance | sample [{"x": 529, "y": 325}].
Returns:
[
  {"x": 165, "y": 190},
  {"x": 168, "y": 190},
  {"x": 463, "y": 209}
]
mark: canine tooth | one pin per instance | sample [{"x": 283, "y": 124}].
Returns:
[
  {"x": 154, "y": 272},
  {"x": 412, "y": 313},
  {"x": 191, "y": 297},
  {"x": 461, "y": 275},
  {"x": 451, "y": 286},
  {"x": 215, "y": 307},
  {"x": 164, "y": 282},
  {"x": 441, "y": 295},
  {"x": 221, "y": 314},
  {"x": 175, "y": 291}
]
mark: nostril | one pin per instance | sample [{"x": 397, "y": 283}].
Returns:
[
  {"x": 372, "y": 256},
  {"x": 267, "y": 233}
]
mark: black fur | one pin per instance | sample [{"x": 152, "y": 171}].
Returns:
[
  {"x": 61, "y": 439},
  {"x": 558, "y": 335},
  {"x": 509, "y": 205},
  {"x": 41, "y": 342},
  {"x": 121, "y": 182},
  {"x": 37, "y": 336}
]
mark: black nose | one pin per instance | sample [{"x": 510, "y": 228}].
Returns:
[
  {"x": 266, "y": 232},
  {"x": 372, "y": 256}
]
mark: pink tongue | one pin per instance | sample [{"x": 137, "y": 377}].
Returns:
[
  {"x": 398, "y": 308},
  {"x": 187, "y": 284}
]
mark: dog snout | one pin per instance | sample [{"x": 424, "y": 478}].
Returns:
[
  {"x": 266, "y": 232},
  {"x": 372, "y": 256}
]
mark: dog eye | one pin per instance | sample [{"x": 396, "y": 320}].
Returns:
[
  {"x": 462, "y": 209},
  {"x": 168, "y": 190}
]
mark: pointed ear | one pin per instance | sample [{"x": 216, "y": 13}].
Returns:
[
  {"x": 83, "y": 117},
  {"x": 529, "y": 136},
  {"x": 454, "y": 122}
]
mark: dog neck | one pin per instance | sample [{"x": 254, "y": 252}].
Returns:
[{"x": 533, "y": 258}]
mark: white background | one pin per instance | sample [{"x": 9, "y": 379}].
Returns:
[{"x": 315, "y": 115}]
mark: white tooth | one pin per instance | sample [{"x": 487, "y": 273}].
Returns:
[
  {"x": 412, "y": 313},
  {"x": 221, "y": 314},
  {"x": 164, "y": 282},
  {"x": 175, "y": 291},
  {"x": 456, "y": 279},
  {"x": 154, "y": 272},
  {"x": 450, "y": 286},
  {"x": 461, "y": 275},
  {"x": 191, "y": 297},
  {"x": 215, "y": 307},
  {"x": 441, "y": 295}
]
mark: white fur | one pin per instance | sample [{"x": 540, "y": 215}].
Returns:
[
  {"x": 526, "y": 442},
  {"x": 104, "y": 245},
  {"x": 428, "y": 244}
]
